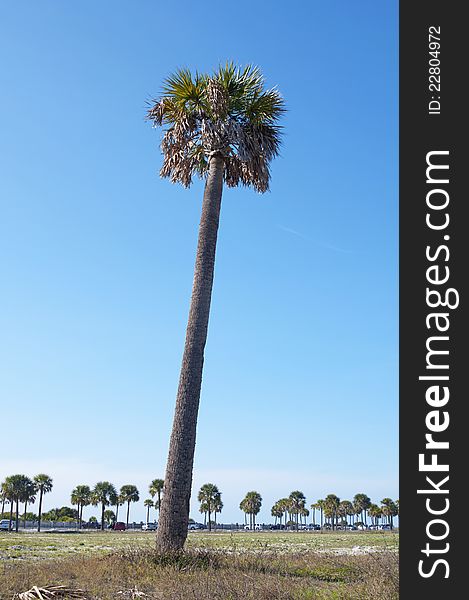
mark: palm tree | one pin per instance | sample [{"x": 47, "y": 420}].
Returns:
[
  {"x": 284, "y": 506},
  {"x": 321, "y": 504},
  {"x": 28, "y": 497},
  {"x": 297, "y": 504},
  {"x": 81, "y": 496},
  {"x": 251, "y": 505},
  {"x": 362, "y": 503},
  {"x": 103, "y": 493},
  {"x": 389, "y": 510},
  {"x": 217, "y": 507},
  {"x": 332, "y": 506},
  {"x": 209, "y": 496},
  {"x": 346, "y": 509},
  {"x": 156, "y": 489},
  {"x": 375, "y": 513},
  {"x": 118, "y": 502},
  {"x": 277, "y": 512},
  {"x": 129, "y": 493},
  {"x": 222, "y": 127},
  {"x": 109, "y": 516},
  {"x": 148, "y": 503},
  {"x": 314, "y": 508},
  {"x": 203, "y": 511},
  {"x": 44, "y": 486},
  {"x": 3, "y": 497},
  {"x": 15, "y": 486}
]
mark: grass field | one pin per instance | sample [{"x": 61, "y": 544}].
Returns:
[{"x": 222, "y": 566}]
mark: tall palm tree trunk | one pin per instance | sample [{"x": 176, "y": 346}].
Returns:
[
  {"x": 174, "y": 510},
  {"x": 17, "y": 515},
  {"x": 40, "y": 511},
  {"x": 128, "y": 510},
  {"x": 24, "y": 516}
]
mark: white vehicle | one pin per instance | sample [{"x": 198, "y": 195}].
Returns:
[
  {"x": 194, "y": 526},
  {"x": 149, "y": 526},
  {"x": 256, "y": 527},
  {"x": 5, "y": 525}
]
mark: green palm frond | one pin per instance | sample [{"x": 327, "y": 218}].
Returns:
[{"x": 228, "y": 113}]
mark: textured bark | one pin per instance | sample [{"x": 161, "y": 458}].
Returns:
[
  {"x": 174, "y": 511},
  {"x": 40, "y": 511}
]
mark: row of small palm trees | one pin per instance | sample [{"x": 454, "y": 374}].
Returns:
[
  {"x": 20, "y": 488},
  {"x": 332, "y": 508},
  {"x": 105, "y": 494},
  {"x": 209, "y": 497}
]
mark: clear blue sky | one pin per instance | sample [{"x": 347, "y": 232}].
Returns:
[{"x": 97, "y": 252}]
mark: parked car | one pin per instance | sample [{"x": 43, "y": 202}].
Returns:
[
  {"x": 119, "y": 526},
  {"x": 149, "y": 526},
  {"x": 257, "y": 527},
  {"x": 5, "y": 525},
  {"x": 194, "y": 526},
  {"x": 313, "y": 527}
]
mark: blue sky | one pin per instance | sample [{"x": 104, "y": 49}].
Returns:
[{"x": 97, "y": 252}]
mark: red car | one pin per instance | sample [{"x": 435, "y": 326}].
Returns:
[{"x": 119, "y": 526}]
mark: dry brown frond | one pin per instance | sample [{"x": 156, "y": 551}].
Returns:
[{"x": 51, "y": 592}]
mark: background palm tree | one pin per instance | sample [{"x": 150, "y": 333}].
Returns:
[
  {"x": 15, "y": 486},
  {"x": 118, "y": 502},
  {"x": 44, "y": 485},
  {"x": 321, "y": 503},
  {"x": 217, "y": 507},
  {"x": 209, "y": 497},
  {"x": 277, "y": 512},
  {"x": 251, "y": 505},
  {"x": 3, "y": 497},
  {"x": 362, "y": 503},
  {"x": 148, "y": 503},
  {"x": 331, "y": 505},
  {"x": 103, "y": 493},
  {"x": 375, "y": 513},
  {"x": 81, "y": 496},
  {"x": 297, "y": 505},
  {"x": 389, "y": 510},
  {"x": 156, "y": 489},
  {"x": 28, "y": 496},
  {"x": 109, "y": 516},
  {"x": 346, "y": 509},
  {"x": 222, "y": 127},
  {"x": 129, "y": 493}
]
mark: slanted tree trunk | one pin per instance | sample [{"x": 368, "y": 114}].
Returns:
[
  {"x": 174, "y": 511},
  {"x": 128, "y": 510}
]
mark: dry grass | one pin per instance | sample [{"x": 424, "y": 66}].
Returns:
[{"x": 210, "y": 575}]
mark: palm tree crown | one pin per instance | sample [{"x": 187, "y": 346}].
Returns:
[{"x": 228, "y": 113}]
